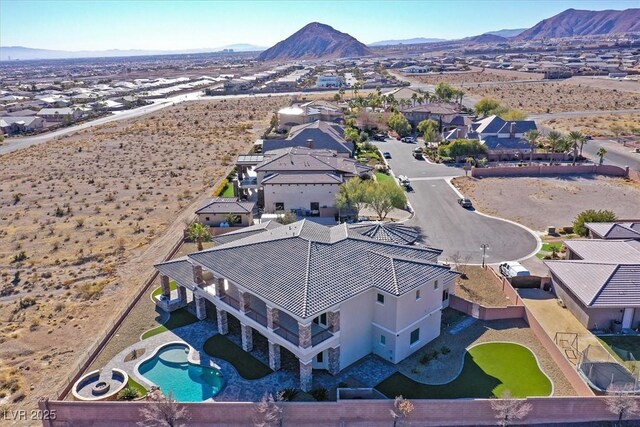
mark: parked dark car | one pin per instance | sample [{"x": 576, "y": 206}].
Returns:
[
  {"x": 379, "y": 137},
  {"x": 408, "y": 188},
  {"x": 386, "y": 155},
  {"x": 465, "y": 203}
]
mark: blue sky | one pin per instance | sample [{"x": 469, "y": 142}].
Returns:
[{"x": 165, "y": 24}]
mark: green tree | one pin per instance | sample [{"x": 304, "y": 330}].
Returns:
[
  {"x": 462, "y": 148},
  {"x": 399, "y": 124},
  {"x": 444, "y": 92},
  {"x": 429, "y": 129},
  {"x": 385, "y": 196},
  {"x": 341, "y": 93},
  {"x": 414, "y": 98},
  {"x": 553, "y": 140},
  {"x": 287, "y": 218},
  {"x": 486, "y": 106},
  {"x": 576, "y": 139},
  {"x": 601, "y": 153},
  {"x": 353, "y": 194},
  {"x": 591, "y": 215},
  {"x": 531, "y": 136},
  {"x": 199, "y": 233},
  {"x": 511, "y": 115},
  {"x": 351, "y": 134}
]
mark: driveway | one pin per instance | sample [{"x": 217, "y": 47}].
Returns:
[{"x": 446, "y": 225}]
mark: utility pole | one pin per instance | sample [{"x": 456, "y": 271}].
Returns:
[{"x": 484, "y": 248}]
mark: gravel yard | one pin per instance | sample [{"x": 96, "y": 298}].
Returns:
[
  {"x": 481, "y": 286},
  {"x": 541, "y": 202},
  {"x": 446, "y": 367}
]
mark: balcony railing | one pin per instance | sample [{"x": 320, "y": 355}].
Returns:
[
  {"x": 320, "y": 336},
  {"x": 288, "y": 335},
  {"x": 258, "y": 317},
  {"x": 231, "y": 301},
  {"x": 251, "y": 182}
]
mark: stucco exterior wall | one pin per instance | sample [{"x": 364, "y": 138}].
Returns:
[
  {"x": 215, "y": 220},
  {"x": 356, "y": 330},
  {"x": 297, "y": 196}
]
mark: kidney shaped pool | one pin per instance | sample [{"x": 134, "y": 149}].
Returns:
[{"x": 170, "y": 370}]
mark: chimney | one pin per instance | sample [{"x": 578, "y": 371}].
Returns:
[
  {"x": 512, "y": 130},
  {"x": 458, "y": 133},
  {"x": 310, "y": 143}
]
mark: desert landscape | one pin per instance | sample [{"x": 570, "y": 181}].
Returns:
[
  {"x": 534, "y": 201},
  {"x": 86, "y": 217},
  {"x": 597, "y": 126}
]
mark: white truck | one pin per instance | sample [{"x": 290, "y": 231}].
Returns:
[{"x": 513, "y": 269}]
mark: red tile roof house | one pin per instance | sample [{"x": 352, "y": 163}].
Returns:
[
  {"x": 328, "y": 295},
  {"x": 599, "y": 282}
]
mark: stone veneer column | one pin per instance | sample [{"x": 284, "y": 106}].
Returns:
[
  {"x": 201, "y": 308},
  {"x": 304, "y": 335},
  {"x": 182, "y": 294},
  {"x": 274, "y": 356},
  {"x": 334, "y": 360},
  {"x": 273, "y": 314},
  {"x": 219, "y": 281},
  {"x": 306, "y": 376},
  {"x": 333, "y": 320},
  {"x": 166, "y": 286},
  {"x": 247, "y": 337},
  {"x": 223, "y": 325},
  {"x": 245, "y": 301},
  {"x": 197, "y": 275}
]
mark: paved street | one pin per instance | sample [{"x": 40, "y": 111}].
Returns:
[
  {"x": 445, "y": 224},
  {"x": 617, "y": 154}
]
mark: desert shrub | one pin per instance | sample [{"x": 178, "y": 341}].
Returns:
[
  {"x": 19, "y": 257},
  {"x": 591, "y": 215},
  {"x": 128, "y": 393},
  {"x": 90, "y": 291},
  {"x": 320, "y": 394},
  {"x": 288, "y": 394}
]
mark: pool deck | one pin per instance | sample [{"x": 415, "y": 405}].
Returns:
[{"x": 370, "y": 370}]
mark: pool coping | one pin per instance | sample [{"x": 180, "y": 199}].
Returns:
[
  {"x": 483, "y": 343},
  {"x": 192, "y": 358}
]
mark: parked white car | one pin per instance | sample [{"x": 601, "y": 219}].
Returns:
[{"x": 513, "y": 269}]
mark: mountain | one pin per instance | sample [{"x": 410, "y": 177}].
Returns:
[
  {"x": 507, "y": 33},
  {"x": 418, "y": 40},
  {"x": 486, "y": 38},
  {"x": 27, "y": 53},
  {"x": 313, "y": 41},
  {"x": 574, "y": 22}
]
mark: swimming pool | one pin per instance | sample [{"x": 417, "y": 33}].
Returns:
[{"x": 170, "y": 370}]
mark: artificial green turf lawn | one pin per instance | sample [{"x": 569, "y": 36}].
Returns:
[
  {"x": 549, "y": 246},
  {"x": 228, "y": 191},
  {"x": 247, "y": 366},
  {"x": 489, "y": 370},
  {"x": 625, "y": 343},
  {"x": 142, "y": 391},
  {"x": 177, "y": 319},
  {"x": 380, "y": 177},
  {"x": 172, "y": 285}
]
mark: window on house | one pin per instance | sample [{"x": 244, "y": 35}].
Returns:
[
  {"x": 315, "y": 206},
  {"x": 279, "y": 206},
  {"x": 381, "y": 298},
  {"x": 435, "y": 284},
  {"x": 383, "y": 340},
  {"x": 415, "y": 337},
  {"x": 445, "y": 295},
  {"x": 418, "y": 294},
  {"x": 206, "y": 218},
  {"x": 321, "y": 320},
  {"x": 320, "y": 357}
]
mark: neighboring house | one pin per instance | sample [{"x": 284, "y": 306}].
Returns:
[
  {"x": 300, "y": 180},
  {"x": 613, "y": 230},
  {"x": 216, "y": 211},
  {"x": 440, "y": 112},
  {"x": 387, "y": 232},
  {"x": 299, "y": 114},
  {"x": 405, "y": 93},
  {"x": 59, "y": 114},
  {"x": 12, "y": 125},
  {"x": 328, "y": 295},
  {"x": 329, "y": 80},
  {"x": 599, "y": 282},
  {"x": 316, "y": 135},
  {"x": 504, "y": 140}
]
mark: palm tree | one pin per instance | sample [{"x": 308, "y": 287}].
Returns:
[
  {"x": 199, "y": 233},
  {"x": 531, "y": 136},
  {"x": 554, "y": 138},
  {"x": 601, "y": 153},
  {"x": 414, "y": 98},
  {"x": 576, "y": 138}
]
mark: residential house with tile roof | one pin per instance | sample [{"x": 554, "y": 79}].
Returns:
[
  {"x": 613, "y": 230},
  {"x": 219, "y": 210},
  {"x": 298, "y": 179},
  {"x": 309, "y": 112},
  {"x": 319, "y": 135},
  {"x": 599, "y": 282},
  {"x": 327, "y": 295}
]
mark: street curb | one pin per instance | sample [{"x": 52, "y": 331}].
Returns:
[{"x": 530, "y": 231}]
